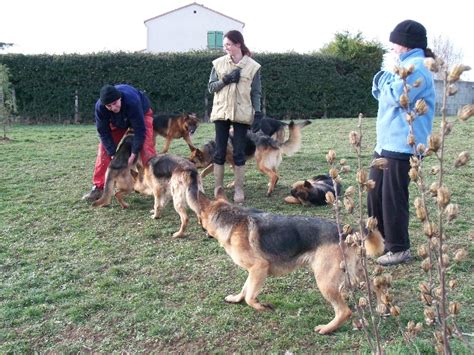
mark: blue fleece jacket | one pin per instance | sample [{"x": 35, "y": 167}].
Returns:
[
  {"x": 132, "y": 114},
  {"x": 392, "y": 127}
]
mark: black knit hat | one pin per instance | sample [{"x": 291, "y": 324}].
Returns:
[
  {"x": 410, "y": 34},
  {"x": 109, "y": 94}
]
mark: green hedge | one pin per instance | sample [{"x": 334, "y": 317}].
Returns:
[{"x": 294, "y": 85}]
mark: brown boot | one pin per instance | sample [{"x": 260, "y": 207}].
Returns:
[
  {"x": 239, "y": 174},
  {"x": 218, "y": 177}
]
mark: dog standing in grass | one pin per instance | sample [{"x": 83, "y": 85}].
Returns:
[
  {"x": 268, "y": 244},
  {"x": 267, "y": 151},
  {"x": 172, "y": 126},
  {"x": 168, "y": 177},
  {"x": 118, "y": 179}
]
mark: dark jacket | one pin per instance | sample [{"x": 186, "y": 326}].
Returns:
[{"x": 132, "y": 115}]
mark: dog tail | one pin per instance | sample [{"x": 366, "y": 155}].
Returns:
[
  {"x": 293, "y": 143},
  {"x": 374, "y": 244},
  {"x": 192, "y": 193}
]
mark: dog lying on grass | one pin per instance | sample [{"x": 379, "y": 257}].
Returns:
[
  {"x": 268, "y": 244},
  {"x": 172, "y": 126},
  {"x": 267, "y": 151},
  {"x": 312, "y": 191}
]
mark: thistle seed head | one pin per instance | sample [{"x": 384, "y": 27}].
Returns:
[
  {"x": 422, "y": 251},
  {"x": 330, "y": 199},
  {"x": 452, "y": 90},
  {"x": 350, "y": 191},
  {"x": 379, "y": 163},
  {"x": 431, "y": 64},
  {"x": 331, "y": 156},
  {"x": 456, "y": 72},
  {"x": 434, "y": 142},
  {"x": 354, "y": 138},
  {"x": 404, "y": 101},
  {"x": 451, "y": 211},
  {"x": 454, "y": 307},
  {"x": 443, "y": 197},
  {"x": 395, "y": 311},
  {"x": 371, "y": 223},
  {"x": 460, "y": 255},
  {"x": 420, "y": 107},
  {"x": 362, "y": 176},
  {"x": 462, "y": 159},
  {"x": 465, "y": 112}
]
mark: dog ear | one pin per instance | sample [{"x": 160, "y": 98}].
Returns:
[
  {"x": 134, "y": 174},
  {"x": 307, "y": 184},
  {"x": 220, "y": 194}
]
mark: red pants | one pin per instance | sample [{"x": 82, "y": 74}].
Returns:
[{"x": 103, "y": 160}]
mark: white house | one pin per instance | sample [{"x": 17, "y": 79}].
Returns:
[{"x": 191, "y": 27}]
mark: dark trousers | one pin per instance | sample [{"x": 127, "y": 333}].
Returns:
[
  {"x": 388, "y": 202},
  {"x": 222, "y": 137}
]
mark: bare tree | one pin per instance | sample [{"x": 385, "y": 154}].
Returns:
[
  {"x": 4, "y": 45},
  {"x": 445, "y": 49}
]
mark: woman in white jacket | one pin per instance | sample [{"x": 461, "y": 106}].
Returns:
[{"x": 235, "y": 83}]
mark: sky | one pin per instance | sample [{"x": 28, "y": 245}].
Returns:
[{"x": 88, "y": 26}]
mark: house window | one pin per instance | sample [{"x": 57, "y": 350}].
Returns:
[{"x": 214, "y": 39}]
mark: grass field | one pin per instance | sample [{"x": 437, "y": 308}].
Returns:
[{"x": 78, "y": 279}]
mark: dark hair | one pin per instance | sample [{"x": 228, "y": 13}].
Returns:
[
  {"x": 429, "y": 53},
  {"x": 236, "y": 37}
]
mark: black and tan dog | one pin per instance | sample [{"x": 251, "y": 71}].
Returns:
[
  {"x": 172, "y": 126},
  {"x": 169, "y": 177},
  {"x": 267, "y": 151},
  {"x": 312, "y": 191},
  {"x": 118, "y": 179},
  {"x": 267, "y": 244},
  {"x": 270, "y": 127}
]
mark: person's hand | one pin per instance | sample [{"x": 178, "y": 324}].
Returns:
[
  {"x": 131, "y": 160},
  {"x": 257, "y": 118},
  {"x": 232, "y": 77}
]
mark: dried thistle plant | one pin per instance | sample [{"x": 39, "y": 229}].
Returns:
[{"x": 439, "y": 312}]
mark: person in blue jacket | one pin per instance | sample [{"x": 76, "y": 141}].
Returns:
[
  {"x": 389, "y": 200},
  {"x": 119, "y": 108}
]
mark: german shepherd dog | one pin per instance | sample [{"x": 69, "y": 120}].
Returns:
[
  {"x": 267, "y": 151},
  {"x": 270, "y": 127},
  {"x": 268, "y": 244},
  {"x": 312, "y": 191},
  {"x": 169, "y": 176},
  {"x": 172, "y": 126},
  {"x": 118, "y": 176}
]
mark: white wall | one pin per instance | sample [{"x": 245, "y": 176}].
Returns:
[{"x": 186, "y": 29}]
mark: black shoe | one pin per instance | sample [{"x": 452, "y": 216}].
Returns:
[{"x": 93, "y": 195}]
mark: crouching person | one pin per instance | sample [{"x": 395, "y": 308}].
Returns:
[{"x": 118, "y": 109}]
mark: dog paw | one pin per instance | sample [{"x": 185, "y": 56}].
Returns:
[
  {"x": 125, "y": 205},
  {"x": 178, "y": 235},
  {"x": 234, "y": 298},
  {"x": 266, "y": 307},
  {"x": 323, "y": 329},
  {"x": 155, "y": 216}
]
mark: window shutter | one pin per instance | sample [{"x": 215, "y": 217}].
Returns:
[
  {"x": 219, "y": 39},
  {"x": 211, "y": 39}
]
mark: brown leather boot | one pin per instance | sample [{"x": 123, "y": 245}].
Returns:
[
  {"x": 239, "y": 174},
  {"x": 218, "y": 177}
]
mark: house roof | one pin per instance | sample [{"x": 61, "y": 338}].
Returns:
[{"x": 194, "y": 3}]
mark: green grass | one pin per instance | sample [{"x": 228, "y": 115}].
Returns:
[{"x": 77, "y": 279}]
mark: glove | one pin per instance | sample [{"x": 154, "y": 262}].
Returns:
[
  {"x": 232, "y": 77},
  {"x": 257, "y": 118}
]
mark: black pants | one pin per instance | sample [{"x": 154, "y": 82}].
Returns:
[
  {"x": 222, "y": 136},
  {"x": 388, "y": 202}
]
